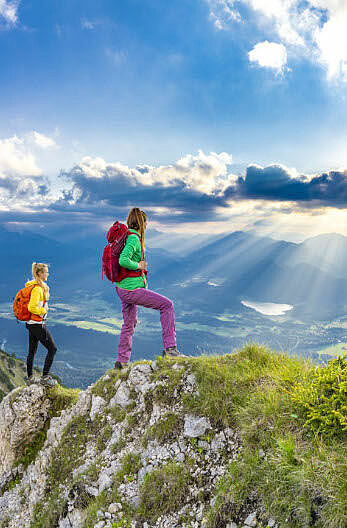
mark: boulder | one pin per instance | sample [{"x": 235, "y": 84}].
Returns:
[
  {"x": 122, "y": 396},
  {"x": 195, "y": 426}
]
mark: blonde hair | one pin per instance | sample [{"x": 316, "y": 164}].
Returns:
[
  {"x": 36, "y": 268},
  {"x": 136, "y": 220}
]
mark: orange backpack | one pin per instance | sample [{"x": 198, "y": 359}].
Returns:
[{"x": 21, "y": 301}]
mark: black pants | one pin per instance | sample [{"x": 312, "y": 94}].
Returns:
[{"x": 39, "y": 333}]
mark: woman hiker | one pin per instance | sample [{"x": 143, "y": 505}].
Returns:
[
  {"x": 38, "y": 332},
  {"x": 133, "y": 292}
]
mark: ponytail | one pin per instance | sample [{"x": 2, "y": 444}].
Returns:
[
  {"x": 36, "y": 268},
  {"x": 137, "y": 220}
]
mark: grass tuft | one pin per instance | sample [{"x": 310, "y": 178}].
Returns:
[{"x": 163, "y": 490}]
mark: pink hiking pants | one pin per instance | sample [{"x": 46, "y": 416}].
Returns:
[{"x": 143, "y": 297}]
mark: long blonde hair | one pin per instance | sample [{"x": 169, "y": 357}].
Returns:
[
  {"x": 137, "y": 220},
  {"x": 36, "y": 268}
]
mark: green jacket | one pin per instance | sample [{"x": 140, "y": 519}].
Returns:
[{"x": 130, "y": 258}]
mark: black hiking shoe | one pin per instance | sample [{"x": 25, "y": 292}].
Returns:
[{"x": 172, "y": 352}]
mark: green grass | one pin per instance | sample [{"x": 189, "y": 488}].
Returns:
[
  {"x": 303, "y": 475},
  {"x": 164, "y": 430},
  {"x": 163, "y": 490}
]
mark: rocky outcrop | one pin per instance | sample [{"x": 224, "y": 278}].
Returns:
[
  {"x": 127, "y": 442},
  {"x": 23, "y": 413}
]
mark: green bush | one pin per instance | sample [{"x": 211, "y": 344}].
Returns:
[{"x": 322, "y": 397}]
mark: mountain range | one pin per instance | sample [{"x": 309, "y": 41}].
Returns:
[
  {"x": 311, "y": 276},
  {"x": 213, "y": 286}
]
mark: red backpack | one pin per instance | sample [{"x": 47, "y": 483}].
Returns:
[
  {"x": 21, "y": 301},
  {"x": 116, "y": 236}
]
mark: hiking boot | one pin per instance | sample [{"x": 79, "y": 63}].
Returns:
[
  {"x": 118, "y": 365},
  {"x": 48, "y": 381},
  {"x": 172, "y": 352}
]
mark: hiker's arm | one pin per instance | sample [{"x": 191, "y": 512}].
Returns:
[
  {"x": 33, "y": 305},
  {"x": 127, "y": 255}
]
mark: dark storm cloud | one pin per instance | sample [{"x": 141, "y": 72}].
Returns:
[
  {"x": 182, "y": 189},
  {"x": 275, "y": 183}
]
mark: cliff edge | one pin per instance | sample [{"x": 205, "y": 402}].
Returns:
[{"x": 214, "y": 441}]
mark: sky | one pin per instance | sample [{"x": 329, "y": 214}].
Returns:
[{"x": 211, "y": 115}]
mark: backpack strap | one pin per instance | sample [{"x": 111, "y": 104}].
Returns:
[{"x": 142, "y": 254}]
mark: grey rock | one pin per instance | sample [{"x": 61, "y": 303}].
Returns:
[
  {"x": 191, "y": 380},
  {"x": 139, "y": 375},
  {"x": 143, "y": 471},
  {"x": 83, "y": 403},
  {"x": 104, "y": 481},
  {"x": 176, "y": 366},
  {"x": 218, "y": 442},
  {"x": 180, "y": 457},
  {"x": 231, "y": 525},
  {"x": 75, "y": 519},
  {"x": 98, "y": 405},
  {"x": 195, "y": 426},
  {"x": 92, "y": 491},
  {"x": 115, "y": 507},
  {"x": 251, "y": 520},
  {"x": 156, "y": 414},
  {"x": 271, "y": 523},
  {"x": 23, "y": 413},
  {"x": 122, "y": 396}
]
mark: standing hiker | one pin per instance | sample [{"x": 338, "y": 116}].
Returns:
[
  {"x": 38, "y": 332},
  {"x": 133, "y": 292}
]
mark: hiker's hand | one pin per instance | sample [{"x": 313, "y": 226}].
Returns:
[{"x": 142, "y": 265}]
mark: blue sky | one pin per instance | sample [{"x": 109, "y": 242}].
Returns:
[{"x": 92, "y": 90}]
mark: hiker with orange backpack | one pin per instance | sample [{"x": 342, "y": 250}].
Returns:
[
  {"x": 128, "y": 269},
  {"x": 31, "y": 305}
]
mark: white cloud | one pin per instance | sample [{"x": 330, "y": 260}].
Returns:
[
  {"x": 22, "y": 183},
  {"x": 316, "y": 29},
  {"x": 43, "y": 141},
  {"x": 269, "y": 55},
  {"x": 88, "y": 24},
  {"x": 15, "y": 158},
  {"x": 204, "y": 173},
  {"x": 331, "y": 38},
  {"x": 8, "y": 11},
  {"x": 223, "y": 12}
]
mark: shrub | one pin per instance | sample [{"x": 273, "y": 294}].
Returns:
[{"x": 322, "y": 397}]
